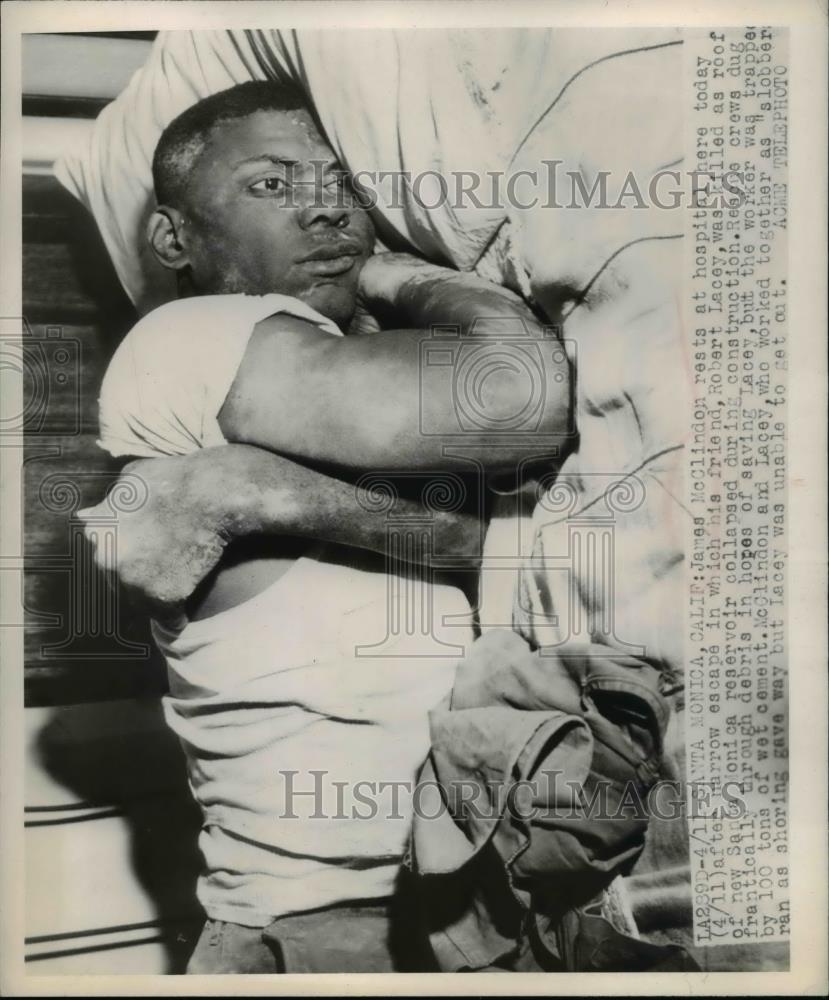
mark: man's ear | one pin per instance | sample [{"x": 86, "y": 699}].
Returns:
[{"x": 166, "y": 236}]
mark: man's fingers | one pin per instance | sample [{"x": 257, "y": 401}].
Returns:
[{"x": 99, "y": 510}]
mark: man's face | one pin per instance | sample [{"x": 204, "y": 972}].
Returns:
[{"x": 269, "y": 209}]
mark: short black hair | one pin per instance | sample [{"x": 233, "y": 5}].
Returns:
[{"x": 184, "y": 139}]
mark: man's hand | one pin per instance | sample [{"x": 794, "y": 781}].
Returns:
[
  {"x": 384, "y": 275},
  {"x": 194, "y": 505},
  {"x": 167, "y": 545},
  {"x": 382, "y": 280}
]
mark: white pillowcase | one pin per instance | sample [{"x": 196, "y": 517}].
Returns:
[
  {"x": 112, "y": 174},
  {"x": 418, "y": 102}
]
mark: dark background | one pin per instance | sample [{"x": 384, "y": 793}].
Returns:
[{"x": 83, "y": 642}]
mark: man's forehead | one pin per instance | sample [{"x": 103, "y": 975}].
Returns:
[{"x": 286, "y": 134}]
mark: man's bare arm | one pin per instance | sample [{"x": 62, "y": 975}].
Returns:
[
  {"x": 392, "y": 400},
  {"x": 196, "y": 504}
]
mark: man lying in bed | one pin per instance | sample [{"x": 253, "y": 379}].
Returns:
[{"x": 268, "y": 693}]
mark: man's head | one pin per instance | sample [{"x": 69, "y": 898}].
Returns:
[{"x": 252, "y": 199}]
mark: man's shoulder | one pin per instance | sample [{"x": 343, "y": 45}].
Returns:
[
  {"x": 170, "y": 374},
  {"x": 200, "y": 315},
  {"x": 176, "y": 314}
]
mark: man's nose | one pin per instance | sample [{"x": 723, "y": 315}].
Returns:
[{"x": 326, "y": 209}]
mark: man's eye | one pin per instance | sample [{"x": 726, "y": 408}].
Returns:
[{"x": 273, "y": 185}]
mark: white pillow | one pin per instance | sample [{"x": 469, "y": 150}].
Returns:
[
  {"x": 419, "y": 102},
  {"x": 112, "y": 174}
]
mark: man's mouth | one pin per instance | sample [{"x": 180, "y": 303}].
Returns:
[{"x": 332, "y": 259}]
